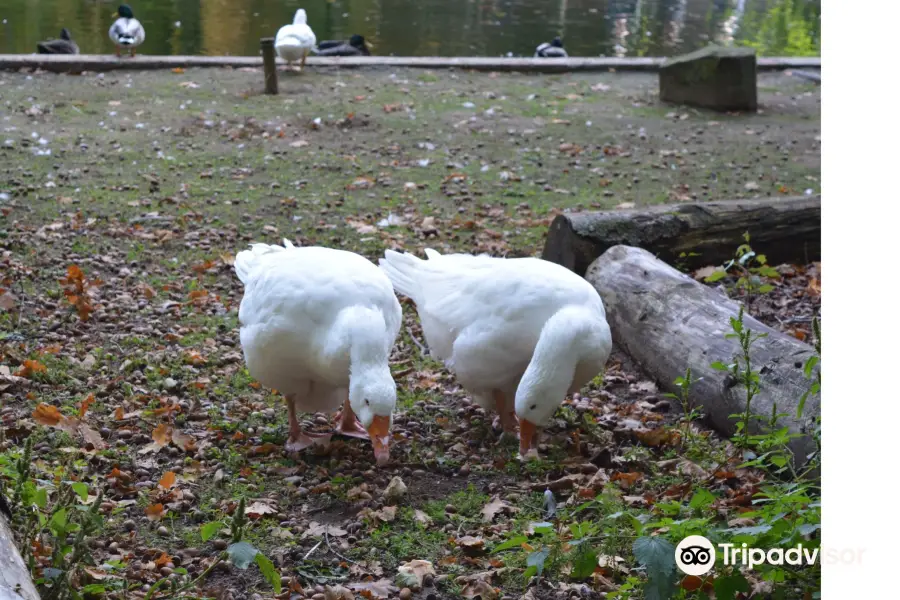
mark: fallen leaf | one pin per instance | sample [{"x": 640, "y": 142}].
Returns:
[
  {"x": 162, "y": 434},
  {"x": 383, "y": 588},
  {"x": 29, "y": 368},
  {"x": 85, "y": 404},
  {"x": 155, "y": 512},
  {"x": 657, "y": 437},
  {"x": 167, "y": 480},
  {"x": 184, "y": 441},
  {"x": 472, "y": 546},
  {"x": 421, "y": 517},
  {"x": 338, "y": 592},
  {"x": 318, "y": 530},
  {"x": 162, "y": 560},
  {"x": 494, "y": 507},
  {"x": 479, "y": 588},
  {"x": 361, "y": 227},
  {"x": 386, "y": 514},
  {"x": 46, "y": 414},
  {"x": 626, "y": 479},
  {"x": 260, "y": 509},
  {"x": 412, "y": 574}
]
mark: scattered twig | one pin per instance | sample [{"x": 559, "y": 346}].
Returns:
[
  {"x": 313, "y": 549},
  {"x": 341, "y": 556},
  {"x": 422, "y": 349}
]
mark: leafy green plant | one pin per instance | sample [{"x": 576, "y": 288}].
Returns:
[
  {"x": 750, "y": 268},
  {"x": 49, "y": 516},
  {"x": 241, "y": 554},
  {"x": 690, "y": 412}
]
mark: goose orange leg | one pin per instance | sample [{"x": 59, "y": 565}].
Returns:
[
  {"x": 298, "y": 439},
  {"x": 348, "y": 424},
  {"x": 507, "y": 416}
]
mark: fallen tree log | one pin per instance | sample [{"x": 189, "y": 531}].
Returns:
[
  {"x": 786, "y": 230},
  {"x": 15, "y": 580},
  {"x": 667, "y": 322}
]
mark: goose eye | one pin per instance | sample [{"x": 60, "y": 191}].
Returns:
[
  {"x": 367, "y": 401},
  {"x": 534, "y": 407}
]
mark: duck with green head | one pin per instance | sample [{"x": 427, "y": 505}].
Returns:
[{"x": 126, "y": 32}]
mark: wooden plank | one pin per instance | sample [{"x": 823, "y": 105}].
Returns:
[{"x": 102, "y": 62}]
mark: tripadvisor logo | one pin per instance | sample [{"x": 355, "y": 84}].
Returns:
[{"x": 695, "y": 555}]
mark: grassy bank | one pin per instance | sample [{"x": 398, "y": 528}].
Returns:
[{"x": 151, "y": 182}]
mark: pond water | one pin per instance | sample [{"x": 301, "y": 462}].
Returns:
[{"x": 430, "y": 27}]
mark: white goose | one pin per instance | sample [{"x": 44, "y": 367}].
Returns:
[
  {"x": 318, "y": 325},
  {"x": 294, "y": 42},
  {"x": 521, "y": 327}
]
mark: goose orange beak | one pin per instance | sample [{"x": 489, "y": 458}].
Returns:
[
  {"x": 379, "y": 432},
  {"x": 527, "y": 430}
]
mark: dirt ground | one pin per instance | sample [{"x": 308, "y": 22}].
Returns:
[{"x": 150, "y": 182}]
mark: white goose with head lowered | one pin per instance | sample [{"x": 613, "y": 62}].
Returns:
[
  {"x": 318, "y": 325},
  {"x": 521, "y": 328}
]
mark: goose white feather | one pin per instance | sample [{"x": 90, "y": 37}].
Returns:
[
  {"x": 294, "y": 42},
  {"x": 318, "y": 325},
  {"x": 521, "y": 327}
]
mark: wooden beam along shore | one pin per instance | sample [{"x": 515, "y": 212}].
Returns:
[{"x": 59, "y": 63}]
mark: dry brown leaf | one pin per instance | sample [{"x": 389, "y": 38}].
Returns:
[
  {"x": 480, "y": 588},
  {"x": 85, "y": 404},
  {"x": 657, "y": 437},
  {"x": 46, "y": 414},
  {"x": 155, "y": 512},
  {"x": 386, "y": 514},
  {"x": 29, "y": 368},
  {"x": 422, "y": 517},
  {"x": 162, "y": 559},
  {"x": 184, "y": 441},
  {"x": 383, "y": 588},
  {"x": 167, "y": 480},
  {"x": 473, "y": 546},
  {"x": 7, "y": 300},
  {"x": 361, "y": 226},
  {"x": 260, "y": 509},
  {"x": 338, "y": 592},
  {"x": 626, "y": 479},
  {"x": 162, "y": 434},
  {"x": 412, "y": 574},
  {"x": 494, "y": 507},
  {"x": 318, "y": 530}
]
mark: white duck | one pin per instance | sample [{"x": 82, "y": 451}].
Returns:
[
  {"x": 521, "y": 327},
  {"x": 126, "y": 31},
  {"x": 318, "y": 325},
  {"x": 294, "y": 42}
]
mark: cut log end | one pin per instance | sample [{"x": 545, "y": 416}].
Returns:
[{"x": 692, "y": 235}]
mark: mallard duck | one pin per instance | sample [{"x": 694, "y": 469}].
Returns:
[
  {"x": 356, "y": 46},
  {"x": 318, "y": 325},
  {"x": 553, "y": 49},
  {"x": 64, "y": 45},
  {"x": 126, "y": 31},
  {"x": 521, "y": 328},
  {"x": 294, "y": 42}
]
